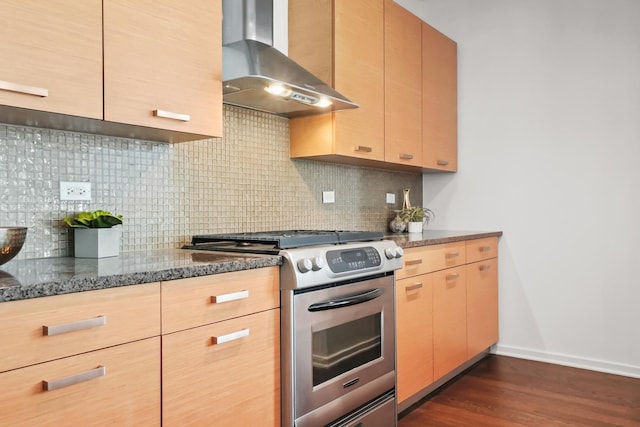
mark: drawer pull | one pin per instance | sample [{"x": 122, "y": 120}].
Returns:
[
  {"x": 413, "y": 262},
  {"x": 78, "y": 325},
  {"x": 363, "y": 148},
  {"x": 406, "y": 156},
  {"x": 169, "y": 115},
  {"x": 453, "y": 276},
  {"x": 484, "y": 267},
  {"x": 100, "y": 371},
  {"x": 443, "y": 162},
  {"x": 27, "y": 90},
  {"x": 485, "y": 248},
  {"x": 452, "y": 254},
  {"x": 413, "y": 287},
  {"x": 230, "y": 337},
  {"x": 217, "y": 299}
]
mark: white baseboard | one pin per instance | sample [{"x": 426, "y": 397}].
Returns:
[{"x": 568, "y": 360}]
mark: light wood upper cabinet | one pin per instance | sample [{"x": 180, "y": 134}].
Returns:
[
  {"x": 439, "y": 101},
  {"x": 52, "y": 56},
  {"x": 402, "y": 85},
  {"x": 162, "y": 64},
  {"x": 353, "y": 64}
]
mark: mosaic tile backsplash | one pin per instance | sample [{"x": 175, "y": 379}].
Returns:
[{"x": 168, "y": 192}]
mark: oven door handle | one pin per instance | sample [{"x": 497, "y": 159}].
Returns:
[{"x": 347, "y": 301}]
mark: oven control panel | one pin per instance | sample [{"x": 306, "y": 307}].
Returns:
[{"x": 319, "y": 265}]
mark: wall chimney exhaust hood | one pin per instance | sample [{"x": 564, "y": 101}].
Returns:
[{"x": 256, "y": 75}]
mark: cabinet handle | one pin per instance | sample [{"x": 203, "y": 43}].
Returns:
[
  {"x": 406, "y": 156},
  {"x": 27, "y": 90},
  {"x": 230, "y": 337},
  {"x": 452, "y": 254},
  {"x": 443, "y": 162},
  {"x": 217, "y": 299},
  {"x": 100, "y": 371},
  {"x": 413, "y": 262},
  {"x": 63, "y": 328},
  {"x": 452, "y": 276},
  {"x": 363, "y": 148},
  {"x": 485, "y": 248},
  {"x": 169, "y": 115},
  {"x": 484, "y": 267},
  {"x": 413, "y": 287}
]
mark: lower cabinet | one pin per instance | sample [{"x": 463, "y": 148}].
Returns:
[
  {"x": 446, "y": 312},
  {"x": 449, "y": 320},
  {"x": 414, "y": 337},
  {"x": 223, "y": 374},
  {"x": 117, "y": 386}
]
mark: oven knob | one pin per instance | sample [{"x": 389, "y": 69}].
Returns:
[
  {"x": 399, "y": 252},
  {"x": 304, "y": 265},
  {"x": 317, "y": 263},
  {"x": 390, "y": 253}
]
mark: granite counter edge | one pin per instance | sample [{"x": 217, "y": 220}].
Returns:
[{"x": 426, "y": 240}]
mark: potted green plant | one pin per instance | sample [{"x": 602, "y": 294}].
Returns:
[
  {"x": 416, "y": 218},
  {"x": 94, "y": 234}
]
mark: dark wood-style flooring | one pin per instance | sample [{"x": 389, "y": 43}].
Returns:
[{"x": 505, "y": 391}]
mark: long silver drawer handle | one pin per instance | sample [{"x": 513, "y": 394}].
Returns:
[
  {"x": 443, "y": 163},
  {"x": 406, "y": 156},
  {"x": 20, "y": 88},
  {"x": 363, "y": 148},
  {"x": 100, "y": 371},
  {"x": 413, "y": 262},
  {"x": 413, "y": 287},
  {"x": 485, "y": 248},
  {"x": 169, "y": 115},
  {"x": 452, "y": 254},
  {"x": 484, "y": 267},
  {"x": 452, "y": 276},
  {"x": 230, "y": 337},
  {"x": 63, "y": 328},
  {"x": 217, "y": 299}
]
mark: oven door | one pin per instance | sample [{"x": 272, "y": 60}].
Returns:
[{"x": 344, "y": 346}]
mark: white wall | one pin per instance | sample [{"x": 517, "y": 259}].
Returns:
[{"x": 549, "y": 146}]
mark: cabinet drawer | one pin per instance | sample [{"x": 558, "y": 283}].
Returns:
[
  {"x": 236, "y": 382},
  {"x": 197, "y": 301},
  {"x": 127, "y": 393},
  {"x": 480, "y": 249},
  {"x": 426, "y": 259},
  {"x": 41, "y": 329}
]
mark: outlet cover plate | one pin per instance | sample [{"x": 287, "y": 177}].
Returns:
[
  {"x": 328, "y": 197},
  {"x": 75, "y": 190}
]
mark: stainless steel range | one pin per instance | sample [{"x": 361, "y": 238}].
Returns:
[{"x": 337, "y": 323}]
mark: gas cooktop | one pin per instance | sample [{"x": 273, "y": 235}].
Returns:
[{"x": 271, "y": 242}]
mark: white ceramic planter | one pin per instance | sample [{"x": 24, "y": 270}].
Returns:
[
  {"x": 414, "y": 227},
  {"x": 97, "y": 242}
]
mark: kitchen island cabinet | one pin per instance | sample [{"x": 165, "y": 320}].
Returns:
[
  {"x": 446, "y": 310},
  {"x": 221, "y": 349},
  {"x": 82, "y": 359}
]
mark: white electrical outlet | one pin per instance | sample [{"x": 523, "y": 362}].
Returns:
[
  {"x": 75, "y": 190},
  {"x": 391, "y": 198},
  {"x": 328, "y": 197}
]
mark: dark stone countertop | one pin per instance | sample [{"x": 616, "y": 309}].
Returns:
[
  {"x": 33, "y": 278},
  {"x": 436, "y": 237}
]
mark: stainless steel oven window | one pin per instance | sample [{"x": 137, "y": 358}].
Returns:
[{"x": 344, "y": 347}]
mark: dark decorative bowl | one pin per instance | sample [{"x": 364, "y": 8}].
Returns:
[{"x": 11, "y": 241}]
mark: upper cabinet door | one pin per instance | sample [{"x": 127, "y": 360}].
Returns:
[
  {"x": 52, "y": 56},
  {"x": 359, "y": 75},
  {"x": 402, "y": 85},
  {"x": 342, "y": 43},
  {"x": 162, "y": 64},
  {"x": 439, "y": 100}
]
